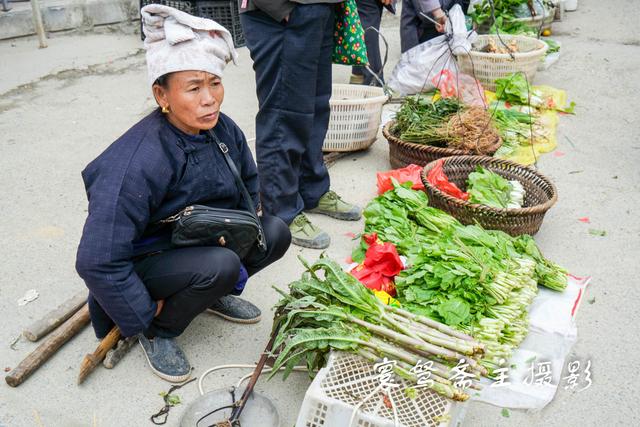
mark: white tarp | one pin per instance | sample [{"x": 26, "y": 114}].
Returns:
[{"x": 552, "y": 333}]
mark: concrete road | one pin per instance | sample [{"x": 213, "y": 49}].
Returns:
[{"x": 60, "y": 107}]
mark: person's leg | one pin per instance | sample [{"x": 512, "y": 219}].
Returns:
[
  {"x": 409, "y": 24},
  {"x": 314, "y": 176},
  {"x": 285, "y": 68},
  {"x": 278, "y": 238},
  {"x": 189, "y": 280},
  {"x": 370, "y": 12}
]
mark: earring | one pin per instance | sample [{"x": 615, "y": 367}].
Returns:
[{"x": 165, "y": 110}]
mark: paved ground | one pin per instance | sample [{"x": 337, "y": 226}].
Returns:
[{"x": 62, "y": 106}]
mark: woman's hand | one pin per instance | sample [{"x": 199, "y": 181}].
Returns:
[
  {"x": 441, "y": 18},
  {"x": 160, "y": 305}
]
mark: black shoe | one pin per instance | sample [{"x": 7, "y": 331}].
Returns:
[
  {"x": 236, "y": 310},
  {"x": 166, "y": 359}
]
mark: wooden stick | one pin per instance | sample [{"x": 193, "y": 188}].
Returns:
[
  {"x": 91, "y": 361},
  {"x": 54, "y": 318},
  {"x": 37, "y": 21},
  {"x": 40, "y": 355},
  {"x": 116, "y": 354}
]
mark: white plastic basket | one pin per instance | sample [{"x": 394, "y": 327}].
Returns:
[
  {"x": 487, "y": 67},
  {"x": 355, "y": 117},
  {"x": 348, "y": 379}
]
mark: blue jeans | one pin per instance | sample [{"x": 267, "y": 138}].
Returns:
[{"x": 292, "y": 62}]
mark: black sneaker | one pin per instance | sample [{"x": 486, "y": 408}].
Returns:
[
  {"x": 166, "y": 358},
  {"x": 236, "y": 310}
]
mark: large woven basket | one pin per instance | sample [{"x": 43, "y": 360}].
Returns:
[
  {"x": 487, "y": 67},
  {"x": 403, "y": 153},
  {"x": 354, "y": 122},
  {"x": 541, "y": 22},
  {"x": 540, "y": 195}
]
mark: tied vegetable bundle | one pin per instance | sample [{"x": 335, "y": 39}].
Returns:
[
  {"x": 488, "y": 188},
  {"x": 446, "y": 123},
  {"x": 329, "y": 309},
  {"x": 475, "y": 280}
]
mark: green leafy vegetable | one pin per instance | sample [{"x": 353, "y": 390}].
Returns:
[
  {"x": 488, "y": 188},
  {"x": 478, "y": 281}
]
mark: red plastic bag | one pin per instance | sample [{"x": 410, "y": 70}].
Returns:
[
  {"x": 438, "y": 179},
  {"x": 459, "y": 85},
  {"x": 381, "y": 264},
  {"x": 409, "y": 173}
]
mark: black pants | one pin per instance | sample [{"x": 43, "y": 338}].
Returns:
[
  {"x": 191, "y": 279},
  {"x": 370, "y": 12},
  {"x": 414, "y": 29},
  {"x": 292, "y": 62}
]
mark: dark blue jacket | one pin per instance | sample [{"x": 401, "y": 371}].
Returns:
[{"x": 151, "y": 172}]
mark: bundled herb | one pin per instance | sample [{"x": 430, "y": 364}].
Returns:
[
  {"x": 446, "y": 123},
  {"x": 420, "y": 119},
  {"x": 486, "y": 187},
  {"x": 329, "y": 309}
]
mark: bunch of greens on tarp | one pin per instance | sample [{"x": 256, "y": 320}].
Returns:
[
  {"x": 329, "y": 309},
  {"x": 476, "y": 280},
  {"x": 515, "y": 89}
]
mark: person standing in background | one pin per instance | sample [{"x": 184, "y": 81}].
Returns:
[
  {"x": 415, "y": 28},
  {"x": 370, "y": 12},
  {"x": 291, "y": 44}
]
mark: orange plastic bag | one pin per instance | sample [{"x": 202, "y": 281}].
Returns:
[
  {"x": 438, "y": 179},
  {"x": 409, "y": 173}
]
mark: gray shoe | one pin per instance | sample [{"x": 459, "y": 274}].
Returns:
[
  {"x": 166, "y": 358},
  {"x": 236, "y": 310}
]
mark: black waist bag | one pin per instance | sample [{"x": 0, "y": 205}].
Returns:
[{"x": 200, "y": 225}]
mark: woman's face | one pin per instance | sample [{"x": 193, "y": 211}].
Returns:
[{"x": 193, "y": 99}]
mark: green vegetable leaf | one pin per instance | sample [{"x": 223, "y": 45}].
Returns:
[
  {"x": 488, "y": 188},
  {"x": 514, "y": 89},
  {"x": 596, "y": 232},
  {"x": 505, "y": 413},
  {"x": 454, "y": 311}
]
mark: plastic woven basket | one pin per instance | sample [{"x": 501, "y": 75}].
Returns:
[
  {"x": 540, "y": 195},
  {"x": 356, "y": 112},
  {"x": 348, "y": 379},
  {"x": 403, "y": 153},
  {"x": 225, "y": 13},
  {"x": 188, "y": 6},
  {"x": 487, "y": 67}
]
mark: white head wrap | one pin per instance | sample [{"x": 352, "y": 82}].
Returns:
[{"x": 177, "y": 41}]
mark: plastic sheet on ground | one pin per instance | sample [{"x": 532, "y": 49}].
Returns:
[
  {"x": 552, "y": 333},
  {"x": 525, "y": 154}
]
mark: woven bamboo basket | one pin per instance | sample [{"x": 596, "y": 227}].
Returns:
[
  {"x": 541, "y": 22},
  {"x": 540, "y": 195},
  {"x": 487, "y": 67},
  {"x": 403, "y": 153},
  {"x": 355, "y": 117}
]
